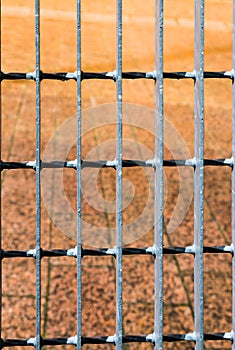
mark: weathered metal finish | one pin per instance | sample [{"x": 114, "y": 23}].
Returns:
[
  {"x": 199, "y": 174},
  {"x": 158, "y": 179},
  {"x": 79, "y": 182},
  {"x": 38, "y": 170},
  {"x": 119, "y": 176}
]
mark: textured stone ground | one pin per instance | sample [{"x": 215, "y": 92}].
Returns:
[{"x": 58, "y": 53}]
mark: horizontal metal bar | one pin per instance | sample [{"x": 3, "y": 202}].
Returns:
[
  {"x": 126, "y": 163},
  {"x": 31, "y": 253},
  {"x": 225, "y": 336},
  {"x": 65, "y": 76}
]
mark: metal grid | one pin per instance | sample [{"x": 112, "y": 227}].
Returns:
[{"x": 157, "y": 250}]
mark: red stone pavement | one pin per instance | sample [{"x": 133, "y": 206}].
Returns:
[{"x": 58, "y": 53}]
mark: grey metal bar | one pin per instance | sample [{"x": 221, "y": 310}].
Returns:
[
  {"x": 1, "y": 176},
  {"x": 199, "y": 174},
  {"x": 119, "y": 177},
  {"x": 38, "y": 169},
  {"x": 79, "y": 182},
  {"x": 233, "y": 178},
  {"x": 158, "y": 179}
]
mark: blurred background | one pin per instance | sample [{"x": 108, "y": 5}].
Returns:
[{"x": 58, "y": 104}]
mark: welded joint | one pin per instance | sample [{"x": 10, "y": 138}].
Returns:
[
  {"x": 151, "y": 75},
  {"x": 191, "y": 162},
  {"x": 111, "y": 339},
  {"x": 150, "y": 163},
  {"x": 190, "y": 249},
  {"x": 72, "y": 164},
  {"x": 191, "y": 74},
  {"x": 190, "y": 336},
  {"x": 151, "y": 337},
  {"x": 154, "y": 74},
  {"x": 112, "y": 75},
  {"x": 231, "y": 73},
  {"x": 111, "y": 251},
  {"x": 153, "y": 250},
  {"x": 75, "y": 75},
  {"x": 70, "y": 75},
  {"x": 72, "y": 340},
  {"x": 73, "y": 252},
  {"x": 31, "y": 75},
  {"x": 154, "y": 163},
  {"x": 111, "y": 163},
  {"x": 229, "y": 161},
  {"x": 31, "y": 253},
  {"x": 31, "y": 164},
  {"x": 229, "y": 336},
  {"x": 197, "y": 74},
  {"x": 229, "y": 248},
  {"x": 32, "y": 342}
]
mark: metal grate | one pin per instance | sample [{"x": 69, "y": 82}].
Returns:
[{"x": 158, "y": 163}]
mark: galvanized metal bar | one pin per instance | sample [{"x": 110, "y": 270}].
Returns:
[
  {"x": 79, "y": 182},
  {"x": 233, "y": 177},
  {"x": 119, "y": 176},
  {"x": 158, "y": 179},
  {"x": 199, "y": 174},
  {"x": 1, "y": 174},
  {"x": 38, "y": 169}
]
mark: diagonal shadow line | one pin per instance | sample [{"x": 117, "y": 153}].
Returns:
[
  {"x": 176, "y": 260},
  {"x": 12, "y": 139}
]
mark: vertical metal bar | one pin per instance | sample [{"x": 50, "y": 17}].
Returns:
[
  {"x": 158, "y": 178},
  {"x": 38, "y": 169},
  {"x": 119, "y": 179},
  {"x": 199, "y": 174},
  {"x": 1, "y": 174},
  {"x": 79, "y": 182},
  {"x": 233, "y": 178}
]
